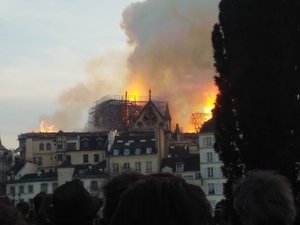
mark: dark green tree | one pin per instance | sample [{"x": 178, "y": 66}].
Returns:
[{"x": 256, "y": 49}]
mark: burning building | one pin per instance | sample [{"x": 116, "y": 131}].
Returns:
[{"x": 121, "y": 112}]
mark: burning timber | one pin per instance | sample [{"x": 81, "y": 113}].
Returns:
[{"x": 119, "y": 112}]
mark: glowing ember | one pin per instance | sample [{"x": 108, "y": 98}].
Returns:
[{"x": 46, "y": 128}]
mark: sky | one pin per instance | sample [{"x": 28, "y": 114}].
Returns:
[{"x": 57, "y": 57}]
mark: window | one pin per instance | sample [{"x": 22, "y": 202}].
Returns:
[
  {"x": 12, "y": 190},
  {"x": 71, "y": 146},
  {"x": 69, "y": 158},
  {"x": 211, "y": 189},
  {"x": 137, "y": 151},
  {"x": 116, "y": 152},
  {"x": 96, "y": 158},
  {"x": 197, "y": 176},
  {"x": 149, "y": 150},
  {"x": 100, "y": 143},
  {"x": 30, "y": 189},
  {"x": 148, "y": 166},
  {"x": 40, "y": 161},
  {"x": 138, "y": 166},
  {"x": 115, "y": 167},
  {"x": 207, "y": 142},
  {"x": 85, "y": 145},
  {"x": 41, "y": 146},
  {"x": 54, "y": 186},
  {"x": 209, "y": 156},
  {"x": 126, "y": 151},
  {"x": 48, "y": 146},
  {"x": 210, "y": 172},
  {"x": 179, "y": 166},
  {"x": 44, "y": 187},
  {"x": 126, "y": 166},
  {"x": 85, "y": 158}
]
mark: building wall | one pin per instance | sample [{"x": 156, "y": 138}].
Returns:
[
  {"x": 29, "y": 193},
  {"x": 210, "y": 167},
  {"x": 78, "y": 158},
  {"x": 132, "y": 160}
]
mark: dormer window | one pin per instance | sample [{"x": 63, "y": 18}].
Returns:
[
  {"x": 179, "y": 167},
  {"x": 148, "y": 150},
  {"x": 126, "y": 151},
  {"x": 116, "y": 151},
  {"x": 137, "y": 151},
  {"x": 100, "y": 143}
]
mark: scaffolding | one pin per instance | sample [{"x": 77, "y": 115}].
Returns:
[
  {"x": 118, "y": 112},
  {"x": 198, "y": 119}
]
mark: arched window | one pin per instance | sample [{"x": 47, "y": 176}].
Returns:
[
  {"x": 41, "y": 147},
  {"x": 48, "y": 146}
]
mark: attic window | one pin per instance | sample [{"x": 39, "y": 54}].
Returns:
[
  {"x": 126, "y": 151},
  {"x": 179, "y": 167},
  {"x": 143, "y": 140},
  {"x": 137, "y": 151},
  {"x": 149, "y": 150},
  {"x": 116, "y": 151}
]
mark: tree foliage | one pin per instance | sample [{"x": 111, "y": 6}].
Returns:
[{"x": 257, "y": 57}]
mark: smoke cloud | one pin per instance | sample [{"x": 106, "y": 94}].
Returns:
[
  {"x": 172, "y": 53},
  {"x": 105, "y": 76}
]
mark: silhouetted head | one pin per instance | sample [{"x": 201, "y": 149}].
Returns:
[
  {"x": 158, "y": 200},
  {"x": 23, "y": 208},
  {"x": 37, "y": 200},
  {"x": 263, "y": 198},
  {"x": 72, "y": 204},
  {"x": 113, "y": 190}
]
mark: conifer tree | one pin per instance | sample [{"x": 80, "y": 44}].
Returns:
[{"x": 257, "y": 58}]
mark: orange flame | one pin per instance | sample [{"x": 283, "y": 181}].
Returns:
[
  {"x": 46, "y": 128},
  {"x": 209, "y": 101}
]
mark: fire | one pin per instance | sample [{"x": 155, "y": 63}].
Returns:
[
  {"x": 208, "y": 103},
  {"x": 135, "y": 91},
  {"x": 46, "y": 128}
]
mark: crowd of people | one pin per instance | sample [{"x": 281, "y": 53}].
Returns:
[{"x": 260, "y": 198}]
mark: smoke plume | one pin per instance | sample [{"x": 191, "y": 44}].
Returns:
[
  {"x": 172, "y": 52},
  {"x": 104, "y": 77}
]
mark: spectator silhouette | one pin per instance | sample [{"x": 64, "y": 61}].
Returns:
[
  {"x": 37, "y": 201},
  {"x": 23, "y": 208},
  {"x": 162, "y": 200},
  {"x": 264, "y": 198},
  {"x": 113, "y": 190},
  {"x": 73, "y": 205},
  {"x": 10, "y": 215},
  {"x": 45, "y": 214}
]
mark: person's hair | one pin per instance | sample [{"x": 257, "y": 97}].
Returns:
[
  {"x": 9, "y": 215},
  {"x": 158, "y": 200},
  {"x": 37, "y": 201},
  {"x": 112, "y": 191},
  {"x": 23, "y": 207},
  {"x": 263, "y": 197}
]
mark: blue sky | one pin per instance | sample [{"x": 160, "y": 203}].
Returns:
[{"x": 51, "y": 50}]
